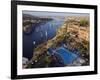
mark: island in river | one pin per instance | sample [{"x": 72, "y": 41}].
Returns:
[{"x": 55, "y": 41}]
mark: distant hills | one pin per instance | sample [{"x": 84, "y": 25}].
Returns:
[
  {"x": 30, "y": 21},
  {"x": 27, "y": 16},
  {"x": 31, "y": 17}
]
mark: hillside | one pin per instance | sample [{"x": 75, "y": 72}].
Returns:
[{"x": 30, "y": 22}]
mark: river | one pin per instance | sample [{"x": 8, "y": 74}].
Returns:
[{"x": 41, "y": 34}]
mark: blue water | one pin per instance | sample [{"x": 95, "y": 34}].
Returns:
[
  {"x": 46, "y": 31},
  {"x": 41, "y": 34},
  {"x": 67, "y": 56}
]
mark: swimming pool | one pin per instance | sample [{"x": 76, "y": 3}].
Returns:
[{"x": 67, "y": 56}]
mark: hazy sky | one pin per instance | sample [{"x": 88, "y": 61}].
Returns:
[{"x": 43, "y": 13}]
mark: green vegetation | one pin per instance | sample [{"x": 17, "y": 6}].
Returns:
[
  {"x": 43, "y": 61},
  {"x": 47, "y": 60},
  {"x": 84, "y": 22}
]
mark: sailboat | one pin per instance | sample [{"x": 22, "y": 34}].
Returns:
[
  {"x": 46, "y": 34},
  {"x": 34, "y": 42}
]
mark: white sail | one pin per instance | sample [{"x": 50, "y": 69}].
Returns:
[
  {"x": 46, "y": 33},
  {"x": 34, "y": 42}
]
